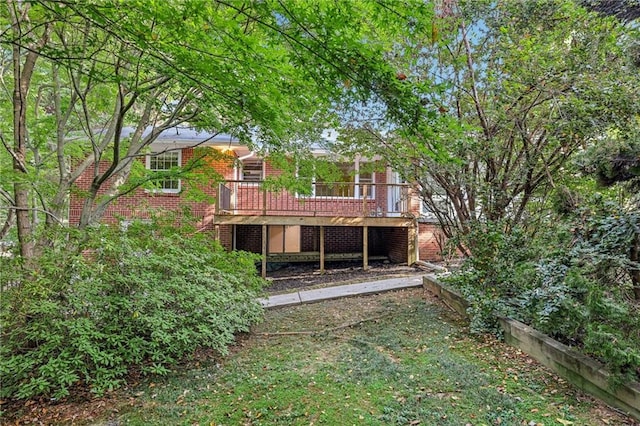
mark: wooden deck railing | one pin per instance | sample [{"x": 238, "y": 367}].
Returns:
[{"x": 345, "y": 199}]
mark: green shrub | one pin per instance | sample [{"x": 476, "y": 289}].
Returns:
[
  {"x": 492, "y": 280},
  {"x": 574, "y": 286},
  {"x": 107, "y": 302},
  {"x": 601, "y": 254}
]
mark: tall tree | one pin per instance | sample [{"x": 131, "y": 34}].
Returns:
[
  {"x": 510, "y": 90},
  {"x": 617, "y": 158},
  {"x": 83, "y": 71}
]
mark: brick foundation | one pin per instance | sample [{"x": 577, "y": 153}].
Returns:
[
  {"x": 429, "y": 240},
  {"x": 249, "y": 238},
  {"x": 224, "y": 235},
  {"x": 396, "y": 240},
  {"x": 390, "y": 242}
]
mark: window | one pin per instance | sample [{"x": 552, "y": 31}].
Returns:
[
  {"x": 252, "y": 170},
  {"x": 164, "y": 162},
  {"x": 441, "y": 202},
  {"x": 343, "y": 187},
  {"x": 438, "y": 200},
  {"x": 366, "y": 187},
  {"x": 351, "y": 183},
  {"x": 425, "y": 210}
]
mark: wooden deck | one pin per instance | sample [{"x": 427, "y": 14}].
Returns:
[
  {"x": 243, "y": 219},
  {"x": 334, "y": 199},
  {"x": 331, "y": 204}
]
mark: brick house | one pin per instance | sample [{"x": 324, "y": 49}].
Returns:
[{"x": 367, "y": 215}]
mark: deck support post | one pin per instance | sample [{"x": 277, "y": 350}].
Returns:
[
  {"x": 264, "y": 251},
  {"x": 322, "y": 249},
  {"x": 412, "y": 243},
  {"x": 365, "y": 247}
]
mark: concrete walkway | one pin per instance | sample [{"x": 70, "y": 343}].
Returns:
[{"x": 326, "y": 293}]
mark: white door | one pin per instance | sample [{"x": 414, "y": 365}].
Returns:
[{"x": 394, "y": 197}]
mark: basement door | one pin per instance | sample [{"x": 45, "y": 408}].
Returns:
[{"x": 284, "y": 238}]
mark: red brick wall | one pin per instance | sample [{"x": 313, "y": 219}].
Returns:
[
  {"x": 225, "y": 236},
  {"x": 414, "y": 203},
  {"x": 249, "y": 238},
  {"x": 428, "y": 236},
  {"x": 142, "y": 204},
  {"x": 396, "y": 242},
  {"x": 342, "y": 239},
  {"x": 310, "y": 238},
  {"x": 269, "y": 170},
  {"x": 382, "y": 241}
]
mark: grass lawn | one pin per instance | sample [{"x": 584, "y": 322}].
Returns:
[{"x": 392, "y": 359}]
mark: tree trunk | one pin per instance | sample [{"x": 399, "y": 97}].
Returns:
[
  {"x": 8, "y": 223},
  {"x": 23, "y": 221},
  {"x": 86, "y": 214},
  {"x": 21, "y": 189},
  {"x": 22, "y": 73}
]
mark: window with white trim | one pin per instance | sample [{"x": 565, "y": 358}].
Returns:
[
  {"x": 443, "y": 204},
  {"x": 351, "y": 183},
  {"x": 165, "y": 162},
  {"x": 252, "y": 170},
  {"x": 365, "y": 187}
]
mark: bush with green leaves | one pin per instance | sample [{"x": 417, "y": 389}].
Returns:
[
  {"x": 601, "y": 272},
  {"x": 493, "y": 278},
  {"x": 573, "y": 282},
  {"x": 108, "y": 302}
]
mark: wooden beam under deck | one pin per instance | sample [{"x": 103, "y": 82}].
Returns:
[
  {"x": 313, "y": 256},
  {"x": 365, "y": 247},
  {"x": 399, "y": 222}
]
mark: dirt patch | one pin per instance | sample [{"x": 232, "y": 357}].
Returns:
[{"x": 291, "y": 277}]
